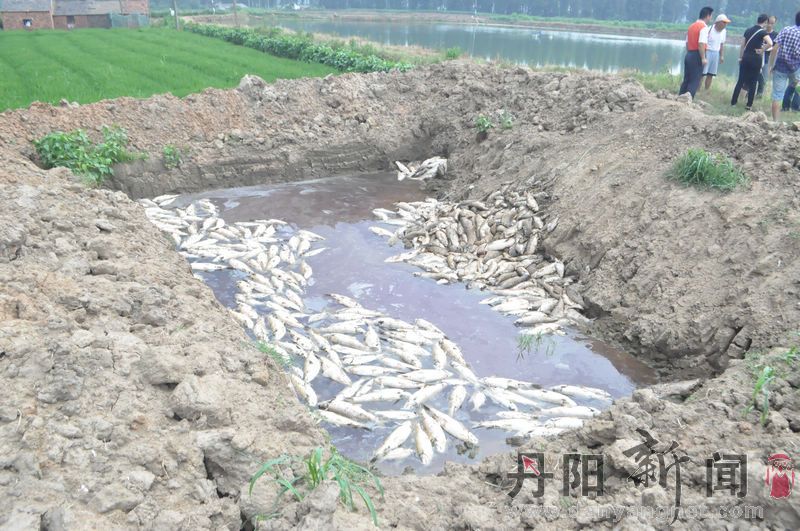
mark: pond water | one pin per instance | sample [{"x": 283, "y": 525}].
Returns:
[
  {"x": 340, "y": 210},
  {"x": 532, "y": 47}
]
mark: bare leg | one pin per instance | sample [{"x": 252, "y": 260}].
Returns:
[
  {"x": 709, "y": 80},
  {"x": 776, "y": 110}
]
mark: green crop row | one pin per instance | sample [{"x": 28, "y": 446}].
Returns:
[{"x": 300, "y": 48}]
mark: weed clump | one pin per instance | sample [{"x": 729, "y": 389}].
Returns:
[
  {"x": 172, "y": 156},
  {"x": 453, "y": 53},
  {"x": 350, "y": 477},
  {"x": 700, "y": 168},
  {"x": 74, "y": 150}
]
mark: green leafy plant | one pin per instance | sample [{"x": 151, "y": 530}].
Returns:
[
  {"x": 527, "y": 343},
  {"x": 300, "y": 47},
  {"x": 172, "y": 156},
  {"x": 506, "y": 119},
  {"x": 761, "y": 392},
  {"x": 277, "y": 357},
  {"x": 350, "y": 476},
  {"x": 700, "y": 168},
  {"x": 765, "y": 373},
  {"x": 453, "y": 53},
  {"x": 483, "y": 123},
  {"x": 74, "y": 150}
]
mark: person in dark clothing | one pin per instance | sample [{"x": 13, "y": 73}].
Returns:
[
  {"x": 791, "y": 98},
  {"x": 764, "y": 75},
  {"x": 751, "y": 57},
  {"x": 695, "y": 58}
]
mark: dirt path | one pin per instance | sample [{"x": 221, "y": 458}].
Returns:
[{"x": 133, "y": 400}]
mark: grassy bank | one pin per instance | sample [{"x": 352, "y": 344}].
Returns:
[
  {"x": 718, "y": 98},
  {"x": 90, "y": 65}
]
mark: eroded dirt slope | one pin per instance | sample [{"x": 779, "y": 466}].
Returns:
[{"x": 133, "y": 400}]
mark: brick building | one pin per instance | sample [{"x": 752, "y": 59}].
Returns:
[{"x": 68, "y": 14}]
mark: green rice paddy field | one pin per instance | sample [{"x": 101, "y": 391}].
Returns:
[{"x": 94, "y": 64}]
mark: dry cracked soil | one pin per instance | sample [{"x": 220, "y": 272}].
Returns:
[{"x": 131, "y": 400}]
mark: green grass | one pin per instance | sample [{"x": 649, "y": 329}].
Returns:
[
  {"x": 93, "y": 64},
  {"x": 700, "y": 168},
  {"x": 766, "y": 372},
  {"x": 276, "y": 356},
  {"x": 351, "y": 477}
]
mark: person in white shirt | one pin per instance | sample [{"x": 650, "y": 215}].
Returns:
[{"x": 714, "y": 39}]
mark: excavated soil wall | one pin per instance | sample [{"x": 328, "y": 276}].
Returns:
[{"x": 133, "y": 400}]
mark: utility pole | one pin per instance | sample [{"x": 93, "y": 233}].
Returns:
[
  {"x": 175, "y": 9},
  {"x": 235, "y": 16}
]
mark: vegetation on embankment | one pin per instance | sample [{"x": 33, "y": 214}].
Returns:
[
  {"x": 94, "y": 64},
  {"x": 299, "y": 47}
]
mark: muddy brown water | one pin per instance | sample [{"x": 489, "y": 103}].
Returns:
[{"x": 340, "y": 209}]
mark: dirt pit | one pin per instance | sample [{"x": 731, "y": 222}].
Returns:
[
  {"x": 134, "y": 400},
  {"x": 340, "y": 209}
]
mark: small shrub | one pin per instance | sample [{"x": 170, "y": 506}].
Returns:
[
  {"x": 172, "y": 156},
  {"x": 453, "y": 53},
  {"x": 700, "y": 168},
  {"x": 506, "y": 119},
  {"x": 483, "y": 123},
  {"x": 349, "y": 475},
  {"x": 74, "y": 150}
]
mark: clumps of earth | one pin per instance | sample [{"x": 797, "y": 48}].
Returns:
[{"x": 103, "y": 323}]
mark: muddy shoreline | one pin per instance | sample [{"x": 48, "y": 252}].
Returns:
[{"x": 105, "y": 333}]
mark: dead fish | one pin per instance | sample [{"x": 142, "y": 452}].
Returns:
[
  {"x": 302, "y": 341},
  {"x": 344, "y": 301},
  {"x": 567, "y": 423},
  {"x": 388, "y": 323},
  {"x": 453, "y": 427},
  {"x": 551, "y": 397},
  {"x": 395, "y": 439},
  {"x": 453, "y": 352},
  {"x": 334, "y": 372},
  {"x": 380, "y": 231},
  {"x": 423, "y": 444},
  {"x": 505, "y": 383},
  {"x": 312, "y": 367},
  {"x": 465, "y": 372},
  {"x": 397, "y": 382},
  {"x": 477, "y": 400},
  {"x": 340, "y": 420},
  {"x": 495, "y": 396},
  {"x": 398, "y": 454},
  {"x": 520, "y": 426},
  {"x": 434, "y": 431},
  {"x": 346, "y": 327},
  {"x": 381, "y": 395},
  {"x": 396, "y": 414},
  {"x": 584, "y": 393},
  {"x": 427, "y": 375},
  {"x": 424, "y": 394},
  {"x": 349, "y": 410},
  {"x": 457, "y": 397},
  {"x": 372, "y": 339},
  {"x": 277, "y": 327},
  {"x": 347, "y": 341},
  {"x": 304, "y": 390},
  {"x": 581, "y": 412},
  {"x": 370, "y": 370},
  {"x": 439, "y": 356}
]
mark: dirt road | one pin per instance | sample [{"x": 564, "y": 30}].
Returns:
[{"x": 132, "y": 400}]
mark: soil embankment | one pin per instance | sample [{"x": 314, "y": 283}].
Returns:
[{"x": 133, "y": 400}]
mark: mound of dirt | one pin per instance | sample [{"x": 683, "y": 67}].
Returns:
[{"x": 134, "y": 401}]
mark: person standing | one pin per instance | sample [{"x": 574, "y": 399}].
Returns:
[
  {"x": 695, "y": 58},
  {"x": 750, "y": 60},
  {"x": 764, "y": 76},
  {"x": 714, "y": 39},
  {"x": 785, "y": 63}
]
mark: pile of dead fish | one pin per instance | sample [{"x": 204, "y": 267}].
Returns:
[
  {"x": 427, "y": 169},
  {"x": 490, "y": 245},
  {"x": 357, "y": 367}
]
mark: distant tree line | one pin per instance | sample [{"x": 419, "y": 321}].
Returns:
[{"x": 742, "y": 11}]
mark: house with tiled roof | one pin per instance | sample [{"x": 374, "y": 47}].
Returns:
[{"x": 68, "y": 14}]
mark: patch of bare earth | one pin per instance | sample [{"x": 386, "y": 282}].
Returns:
[{"x": 132, "y": 400}]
